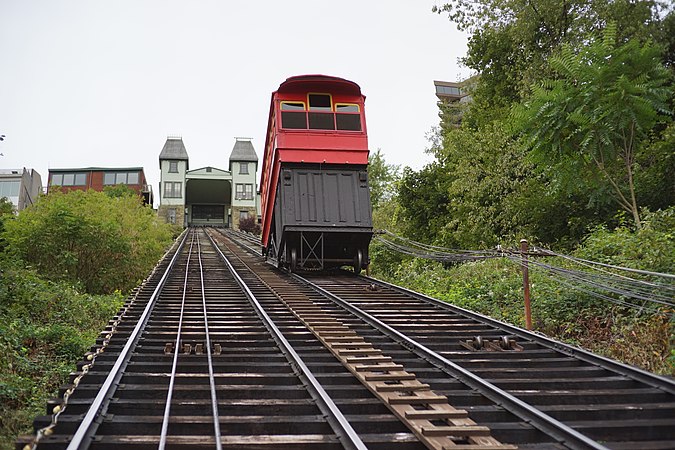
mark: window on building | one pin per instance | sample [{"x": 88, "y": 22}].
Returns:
[
  {"x": 171, "y": 216},
  {"x": 173, "y": 166},
  {"x": 243, "y": 168},
  {"x": 243, "y": 215},
  {"x": 243, "y": 191},
  {"x": 9, "y": 188},
  {"x": 208, "y": 212},
  {"x": 172, "y": 189},
  {"x": 69, "y": 179},
  {"x": 110, "y": 178}
]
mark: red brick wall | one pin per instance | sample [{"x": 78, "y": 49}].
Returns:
[{"x": 95, "y": 182}]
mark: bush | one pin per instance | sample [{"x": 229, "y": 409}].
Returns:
[
  {"x": 494, "y": 287},
  {"x": 250, "y": 225},
  {"x": 46, "y": 327},
  {"x": 104, "y": 243}
]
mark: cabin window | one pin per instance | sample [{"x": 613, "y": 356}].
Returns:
[
  {"x": 347, "y": 117},
  {"x": 346, "y": 108},
  {"x": 321, "y": 112},
  {"x": 293, "y": 115},
  {"x": 292, "y": 106},
  {"x": 320, "y": 102}
]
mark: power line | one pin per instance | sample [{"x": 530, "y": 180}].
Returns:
[{"x": 597, "y": 280}]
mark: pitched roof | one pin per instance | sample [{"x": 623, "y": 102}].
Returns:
[
  {"x": 243, "y": 151},
  {"x": 173, "y": 149}
]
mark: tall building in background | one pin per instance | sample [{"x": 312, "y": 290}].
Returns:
[
  {"x": 452, "y": 99},
  {"x": 98, "y": 178},
  {"x": 207, "y": 195},
  {"x": 22, "y": 187},
  {"x": 243, "y": 167}
]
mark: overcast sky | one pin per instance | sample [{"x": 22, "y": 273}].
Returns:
[{"x": 102, "y": 83}]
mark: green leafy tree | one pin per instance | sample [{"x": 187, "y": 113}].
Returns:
[
  {"x": 6, "y": 213},
  {"x": 119, "y": 190},
  {"x": 510, "y": 41},
  {"x": 598, "y": 112},
  {"x": 382, "y": 178},
  {"x": 104, "y": 243}
]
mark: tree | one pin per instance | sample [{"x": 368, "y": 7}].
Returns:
[
  {"x": 382, "y": 178},
  {"x": 6, "y": 213},
  {"x": 119, "y": 190},
  {"x": 510, "y": 41},
  {"x": 423, "y": 198},
  {"x": 598, "y": 112},
  {"x": 102, "y": 243}
]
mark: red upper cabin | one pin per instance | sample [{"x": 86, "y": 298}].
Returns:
[{"x": 313, "y": 119}]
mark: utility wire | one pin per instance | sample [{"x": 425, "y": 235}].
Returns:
[{"x": 589, "y": 282}]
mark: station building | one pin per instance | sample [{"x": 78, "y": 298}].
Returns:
[
  {"x": 98, "y": 178},
  {"x": 208, "y": 195},
  {"x": 21, "y": 187}
]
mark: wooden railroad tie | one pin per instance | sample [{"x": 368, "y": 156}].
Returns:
[
  {"x": 414, "y": 403},
  {"x": 428, "y": 415}
]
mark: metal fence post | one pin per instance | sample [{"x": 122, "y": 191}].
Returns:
[{"x": 526, "y": 283}]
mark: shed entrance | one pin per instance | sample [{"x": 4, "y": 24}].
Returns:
[{"x": 208, "y": 201}]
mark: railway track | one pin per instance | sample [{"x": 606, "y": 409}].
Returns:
[{"x": 219, "y": 350}]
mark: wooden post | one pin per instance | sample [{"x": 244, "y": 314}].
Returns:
[{"x": 526, "y": 283}]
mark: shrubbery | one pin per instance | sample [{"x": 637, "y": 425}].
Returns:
[
  {"x": 46, "y": 327},
  {"x": 250, "y": 225},
  {"x": 104, "y": 243},
  {"x": 494, "y": 287},
  {"x": 50, "y": 254}
]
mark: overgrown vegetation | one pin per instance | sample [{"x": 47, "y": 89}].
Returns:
[
  {"x": 494, "y": 287},
  {"x": 250, "y": 225},
  {"x": 51, "y": 306},
  {"x": 567, "y": 141},
  {"x": 101, "y": 242}
]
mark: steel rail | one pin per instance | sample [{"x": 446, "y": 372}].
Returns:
[
  {"x": 338, "y": 422},
  {"x": 84, "y": 433},
  {"x": 174, "y": 366},
  {"x": 658, "y": 382},
  {"x": 549, "y": 425},
  {"x": 212, "y": 379}
]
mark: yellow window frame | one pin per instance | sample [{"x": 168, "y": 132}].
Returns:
[
  {"x": 332, "y": 106},
  {"x": 283, "y": 102},
  {"x": 358, "y": 108}
]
